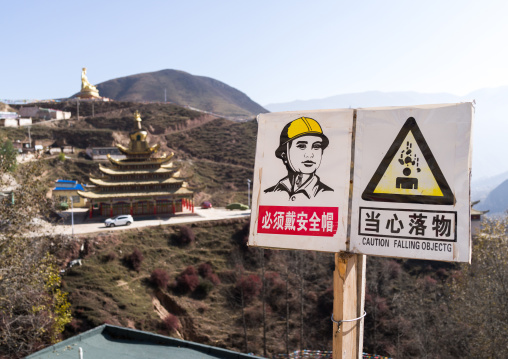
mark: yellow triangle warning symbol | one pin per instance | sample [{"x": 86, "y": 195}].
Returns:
[{"x": 409, "y": 172}]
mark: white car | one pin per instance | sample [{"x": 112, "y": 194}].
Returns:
[{"x": 123, "y": 219}]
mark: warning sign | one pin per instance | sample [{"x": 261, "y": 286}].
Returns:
[
  {"x": 409, "y": 172},
  {"x": 411, "y": 182},
  {"x": 301, "y": 180}
]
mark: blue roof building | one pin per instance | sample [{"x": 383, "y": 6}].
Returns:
[
  {"x": 65, "y": 190},
  {"x": 66, "y": 185}
]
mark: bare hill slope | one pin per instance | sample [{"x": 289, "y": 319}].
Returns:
[
  {"x": 6, "y": 108},
  {"x": 183, "y": 89}
]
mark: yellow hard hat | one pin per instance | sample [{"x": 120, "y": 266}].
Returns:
[{"x": 303, "y": 126}]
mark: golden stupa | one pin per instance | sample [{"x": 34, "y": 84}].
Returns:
[{"x": 88, "y": 90}]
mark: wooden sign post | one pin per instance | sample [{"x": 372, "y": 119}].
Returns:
[{"x": 348, "y": 305}]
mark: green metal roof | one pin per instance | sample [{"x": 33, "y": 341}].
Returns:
[{"x": 112, "y": 342}]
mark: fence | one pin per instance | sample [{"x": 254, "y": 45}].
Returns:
[{"x": 318, "y": 354}]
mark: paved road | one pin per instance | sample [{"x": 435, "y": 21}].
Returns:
[{"x": 82, "y": 224}]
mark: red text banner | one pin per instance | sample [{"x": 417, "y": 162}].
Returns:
[{"x": 290, "y": 220}]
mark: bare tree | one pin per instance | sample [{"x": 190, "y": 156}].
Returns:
[
  {"x": 33, "y": 309},
  {"x": 480, "y": 293}
]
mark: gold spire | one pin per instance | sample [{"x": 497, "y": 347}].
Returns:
[{"x": 137, "y": 117}]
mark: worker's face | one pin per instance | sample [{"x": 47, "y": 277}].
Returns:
[{"x": 304, "y": 154}]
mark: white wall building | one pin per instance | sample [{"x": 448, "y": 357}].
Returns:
[{"x": 44, "y": 113}]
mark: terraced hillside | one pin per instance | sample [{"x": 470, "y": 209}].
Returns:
[{"x": 215, "y": 153}]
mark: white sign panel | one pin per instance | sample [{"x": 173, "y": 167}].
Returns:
[
  {"x": 411, "y": 182},
  {"x": 301, "y": 180}
]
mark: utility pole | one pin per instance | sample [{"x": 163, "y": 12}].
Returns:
[
  {"x": 29, "y": 138},
  {"x": 165, "y": 99},
  {"x": 72, "y": 217}
]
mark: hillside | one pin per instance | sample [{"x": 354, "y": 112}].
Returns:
[
  {"x": 5, "y": 108},
  {"x": 189, "y": 281},
  {"x": 183, "y": 89},
  {"x": 207, "y": 299},
  {"x": 217, "y": 154}
]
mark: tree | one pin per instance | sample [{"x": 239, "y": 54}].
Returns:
[
  {"x": 8, "y": 155},
  {"x": 33, "y": 308},
  {"x": 61, "y": 157},
  {"x": 480, "y": 293}
]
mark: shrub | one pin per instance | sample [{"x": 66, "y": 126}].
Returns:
[
  {"x": 276, "y": 289},
  {"x": 392, "y": 268},
  {"x": 242, "y": 236},
  {"x": 111, "y": 256},
  {"x": 159, "y": 278},
  {"x": 250, "y": 286},
  {"x": 428, "y": 283},
  {"x": 87, "y": 248},
  {"x": 254, "y": 316},
  {"x": 325, "y": 302},
  {"x": 188, "y": 280},
  {"x": 206, "y": 271},
  {"x": 228, "y": 276},
  {"x": 186, "y": 236},
  {"x": 75, "y": 326},
  {"x": 63, "y": 206},
  {"x": 214, "y": 278},
  {"x": 311, "y": 296},
  {"x": 272, "y": 279},
  {"x": 204, "y": 287},
  {"x": 442, "y": 273},
  {"x": 134, "y": 260},
  {"x": 190, "y": 270},
  {"x": 8, "y": 155},
  {"x": 171, "y": 323}
]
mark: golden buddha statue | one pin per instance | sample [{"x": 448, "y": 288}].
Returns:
[{"x": 87, "y": 89}]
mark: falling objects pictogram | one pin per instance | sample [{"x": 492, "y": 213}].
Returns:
[{"x": 409, "y": 173}]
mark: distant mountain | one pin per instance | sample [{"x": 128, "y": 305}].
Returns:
[
  {"x": 490, "y": 125},
  {"x": 183, "y": 89},
  {"x": 496, "y": 201},
  {"x": 364, "y": 99},
  {"x": 480, "y": 188}
]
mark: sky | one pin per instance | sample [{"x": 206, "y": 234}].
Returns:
[{"x": 273, "y": 51}]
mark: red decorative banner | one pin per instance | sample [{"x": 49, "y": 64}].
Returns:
[{"x": 306, "y": 221}]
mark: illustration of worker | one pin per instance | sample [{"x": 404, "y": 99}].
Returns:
[{"x": 301, "y": 147}]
